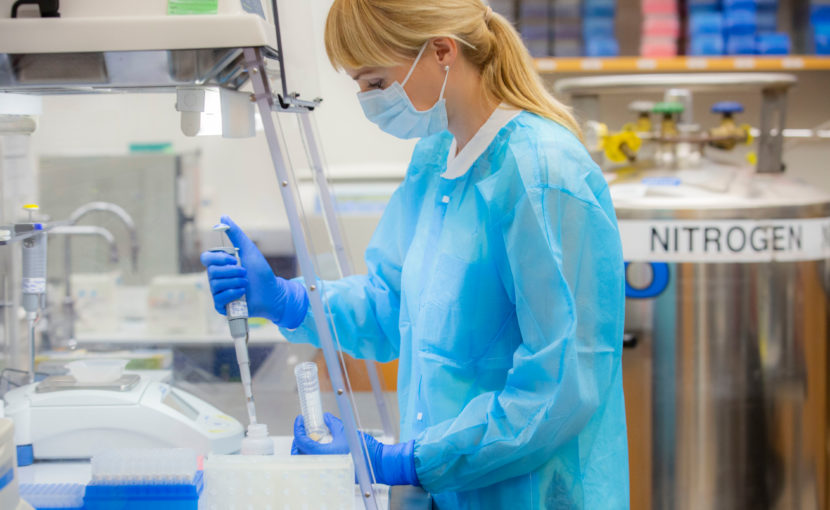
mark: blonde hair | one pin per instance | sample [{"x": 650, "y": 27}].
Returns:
[{"x": 383, "y": 33}]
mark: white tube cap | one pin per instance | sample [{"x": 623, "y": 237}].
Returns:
[{"x": 256, "y": 441}]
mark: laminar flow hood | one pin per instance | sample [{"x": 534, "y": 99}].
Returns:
[{"x": 134, "y": 45}]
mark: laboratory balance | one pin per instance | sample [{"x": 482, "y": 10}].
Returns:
[{"x": 61, "y": 417}]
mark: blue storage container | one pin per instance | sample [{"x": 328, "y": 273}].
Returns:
[
  {"x": 696, "y": 6},
  {"x": 773, "y": 44},
  {"x": 706, "y": 45},
  {"x": 706, "y": 23},
  {"x": 820, "y": 13},
  {"x": 740, "y": 22},
  {"x": 768, "y": 5},
  {"x": 739, "y": 5},
  {"x": 767, "y": 21},
  {"x": 599, "y": 7},
  {"x": 740, "y": 45},
  {"x": 822, "y": 39},
  {"x": 597, "y": 26},
  {"x": 602, "y": 47},
  {"x": 820, "y": 26}
]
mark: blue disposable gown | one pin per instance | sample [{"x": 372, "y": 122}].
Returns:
[{"x": 501, "y": 292}]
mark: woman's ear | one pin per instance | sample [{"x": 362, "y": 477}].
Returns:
[{"x": 446, "y": 50}]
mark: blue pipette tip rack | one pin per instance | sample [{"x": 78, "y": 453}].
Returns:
[
  {"x": 53, "y": 496},
  {"x": 174, "y": 496}
]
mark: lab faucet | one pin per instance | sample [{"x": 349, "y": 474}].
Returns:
[
  {"x": 83, "y": 230},
  {"x": 120, "y": 213},
  {"x": 79, "y": 230},
  {"x": 74, "y": 218}
]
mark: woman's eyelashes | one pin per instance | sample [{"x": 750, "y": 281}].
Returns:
[{"x": 375, "y": 84}]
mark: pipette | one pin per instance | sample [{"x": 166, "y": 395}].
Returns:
[
  {"x": 34, "y": 279},
  {"x": 237, "y": 313}
]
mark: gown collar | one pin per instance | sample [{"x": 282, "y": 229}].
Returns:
[{"x": 458, "y": 165}]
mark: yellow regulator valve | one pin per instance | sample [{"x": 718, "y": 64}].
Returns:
[{"x": 622, "y": 147}]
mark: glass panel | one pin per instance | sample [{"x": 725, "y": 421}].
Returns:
[{"x": 128, "y": 202}]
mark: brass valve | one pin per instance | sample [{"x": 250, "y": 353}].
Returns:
[
  {"x": 729, "y": 134},
  {"x": 669, "y": 110}
]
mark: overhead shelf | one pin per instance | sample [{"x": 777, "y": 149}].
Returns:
[{"x": 674, "y": 64}]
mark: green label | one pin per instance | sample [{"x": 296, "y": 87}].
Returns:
[
  {"x": 151, "y": 147},
  {"x": 192, "y": 6}
]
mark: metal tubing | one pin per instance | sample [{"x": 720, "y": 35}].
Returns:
[
  {"x": 264, "y": 100},
  {"x": 341, "y": 255},
  {"x": 771, "y": 141}
]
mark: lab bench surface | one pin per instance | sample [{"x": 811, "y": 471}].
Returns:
[
  {"x": 74, "y": 472},
  {"x": 277, "y": 405}
]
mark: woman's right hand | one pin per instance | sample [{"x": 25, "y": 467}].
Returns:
[{"x": 281, "y": 301}]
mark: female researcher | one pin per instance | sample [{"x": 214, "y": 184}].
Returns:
[{"x": 495, "y": 274}]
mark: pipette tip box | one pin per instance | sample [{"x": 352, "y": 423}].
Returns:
[
  {"x": 53, "y": 496},
  {"x": 159, "y": 496}
]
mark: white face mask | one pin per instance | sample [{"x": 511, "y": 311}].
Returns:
[{"x": 393, "y": 111}]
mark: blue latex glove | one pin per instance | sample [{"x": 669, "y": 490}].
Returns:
[
  {"x": 281, "y": 301},
  {"x": 393, "y": 464}
]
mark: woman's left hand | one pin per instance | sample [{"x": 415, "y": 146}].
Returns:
[
  {"x": 304, "y": 445},
  {"x": 392, "y": 464}
]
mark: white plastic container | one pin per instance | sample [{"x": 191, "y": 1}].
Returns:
[
  {"x": 95, "y": 302},
  {"x": 282, "y": 482},
  {"x": 256, "y": 440},
  {"x": 9, "y": 494},
  {"x": 97, "y": 370},
  {"x": 182, "y": 305}
]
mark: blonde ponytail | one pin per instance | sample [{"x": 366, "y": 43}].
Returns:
[
  {"x": 511, "y": 77},
  {"x": 368, "y": 33}
]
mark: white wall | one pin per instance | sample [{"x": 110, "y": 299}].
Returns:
[
  {"x": 237, "y": 175},
  {"x": 238, "y": 178}
]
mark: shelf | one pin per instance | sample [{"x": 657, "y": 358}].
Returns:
[{"x": 674, "y": 64}]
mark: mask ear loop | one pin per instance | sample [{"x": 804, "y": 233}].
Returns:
[
  {"x": 412, "y": 69},
  {"x": 444, "y": 86}
]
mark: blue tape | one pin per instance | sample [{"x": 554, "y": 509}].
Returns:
[
  {"x": 25, "y": 455},
  {"x": 7, "y": 478},
  {"x": 662, "y": 181}
]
